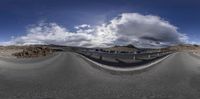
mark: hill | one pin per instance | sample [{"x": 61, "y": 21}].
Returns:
[
  {"x": 184, "y": 47},
  {"x": 127, "y": 48}
]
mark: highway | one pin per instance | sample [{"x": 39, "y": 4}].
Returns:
[{"x": 68, "y": 76}]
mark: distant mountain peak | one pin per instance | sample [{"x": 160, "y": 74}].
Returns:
[{"x": 130, "y": 46}]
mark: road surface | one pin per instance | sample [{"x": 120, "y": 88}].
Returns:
[{"x": 68, "y": 76}]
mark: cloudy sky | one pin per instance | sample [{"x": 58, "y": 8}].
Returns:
[{"x": 99, "y": 23}]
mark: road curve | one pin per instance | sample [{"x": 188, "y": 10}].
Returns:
[{"x": 68, "y": 76}]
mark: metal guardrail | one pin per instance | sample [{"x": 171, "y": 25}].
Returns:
[
  {"x": 117, "y": 61},
  {"x": 132, "y": 56}
]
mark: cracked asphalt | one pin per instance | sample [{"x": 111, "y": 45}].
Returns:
[{"x": 68, "y": 76}]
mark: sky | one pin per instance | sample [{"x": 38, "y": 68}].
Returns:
[{"x": 99, "y": 23}]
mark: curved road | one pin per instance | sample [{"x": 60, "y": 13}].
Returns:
[{"x": 68, "y": 76}]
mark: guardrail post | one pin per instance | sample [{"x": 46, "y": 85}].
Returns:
[
  {"x": 133, "y": 57},
  {"x": 100, "y": 57},
  {"x": 149, "y": 56}
]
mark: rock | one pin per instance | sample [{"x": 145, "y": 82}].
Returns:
[{"x": 34, "y": 51}]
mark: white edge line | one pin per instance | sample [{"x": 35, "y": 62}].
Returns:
[{"x": 126, "y": 69}]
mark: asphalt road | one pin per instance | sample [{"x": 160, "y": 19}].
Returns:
[{"x": 68, "y": 76}]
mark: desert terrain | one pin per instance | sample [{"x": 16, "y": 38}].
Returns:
[
  {"x": 8, "y": 51},
  {"x": 34, "y": 51},
  {"x": 24, "y": 51}
]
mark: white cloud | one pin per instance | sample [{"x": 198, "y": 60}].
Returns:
[
  {"x": 82, "y": 26},
  {"x": 51, "y": 33},
  {"x": 144, "y": 30},
  {"x": 134, "y": 28}
]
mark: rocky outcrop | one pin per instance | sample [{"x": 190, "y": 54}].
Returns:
[{"x": 31, "y": 52}]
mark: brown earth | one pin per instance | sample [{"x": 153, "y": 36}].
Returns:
[
  {"x": 34, "y": 51},
  {"x": 185, "y": 47},
  {"x": 7, "y": 51}
]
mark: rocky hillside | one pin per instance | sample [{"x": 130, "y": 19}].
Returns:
[
  {"x": 184, "y": 47},
  {"x": 7, "y": 51},
  {"x": 34, "y": 51}
]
